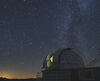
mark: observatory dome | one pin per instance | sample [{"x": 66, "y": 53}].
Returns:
[{"x": 63, "y": 59}]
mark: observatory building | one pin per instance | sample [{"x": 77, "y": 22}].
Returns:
[
  {"x": 63, "y": 59},
  {"x": 67, "y": 65}
]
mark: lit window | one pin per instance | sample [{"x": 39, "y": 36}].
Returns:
[{"x": 51, "y": 58}]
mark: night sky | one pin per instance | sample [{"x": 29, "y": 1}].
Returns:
[{"x": 31, "y": 29}]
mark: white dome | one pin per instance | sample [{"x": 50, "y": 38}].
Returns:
[{"x": 63, "y": 59}]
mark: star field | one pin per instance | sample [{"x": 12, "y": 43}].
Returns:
[{"x": 31, "y": 29}]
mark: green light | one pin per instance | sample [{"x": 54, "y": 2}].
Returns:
[
  {"x": 50, "y": 59},
  {"x": 49, "y": 64}
]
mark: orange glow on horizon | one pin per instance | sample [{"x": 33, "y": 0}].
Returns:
[
  {"x": 35, "y": 76},
  {"x": 14, "y": 76},
  {"x": 6, "y": 75},
  {"x": 10, "y": 75}
]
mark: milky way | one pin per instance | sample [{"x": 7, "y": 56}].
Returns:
[
  {"x": 85, "y": 30},
  {"x": 31, "y": 29}
]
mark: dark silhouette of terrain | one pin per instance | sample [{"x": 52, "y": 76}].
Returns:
[{"x": 31, "y": 79}]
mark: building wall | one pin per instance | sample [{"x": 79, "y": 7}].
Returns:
[
  {"x": 82, "y": 74},
  {"x": 56, "y": 75}
]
